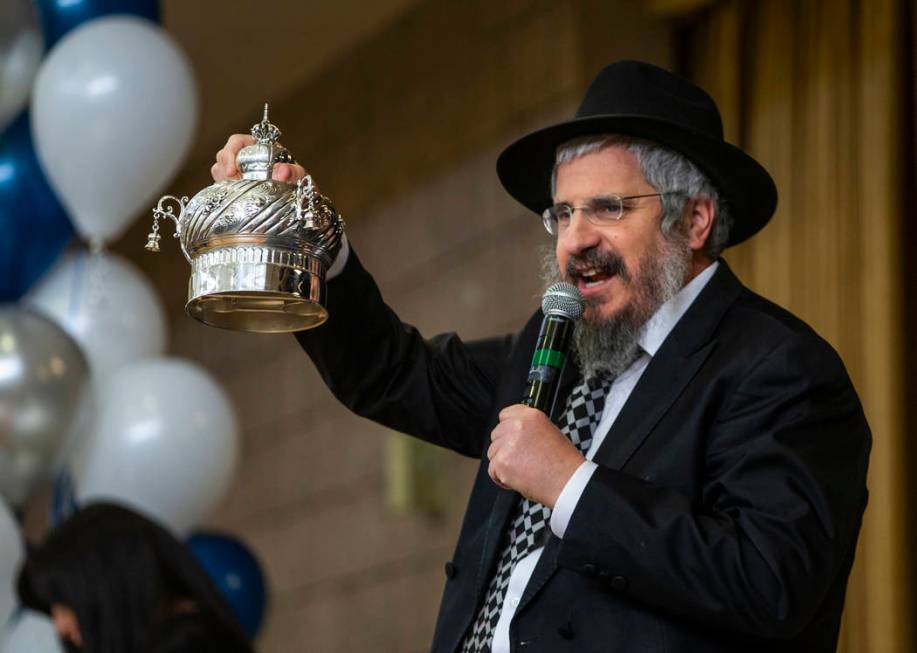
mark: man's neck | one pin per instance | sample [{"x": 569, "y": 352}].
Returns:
[{"x": 699, "y": 263}]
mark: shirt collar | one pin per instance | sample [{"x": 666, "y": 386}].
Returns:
[{"x": 657, "y": 328}]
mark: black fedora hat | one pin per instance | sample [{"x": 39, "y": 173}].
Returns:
[{"x": 633, "y": 98}]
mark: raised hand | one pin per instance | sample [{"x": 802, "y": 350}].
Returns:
[{"x": 225, "y": 166}]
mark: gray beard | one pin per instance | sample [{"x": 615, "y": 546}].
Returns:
[{"x": 610, "y": 346}]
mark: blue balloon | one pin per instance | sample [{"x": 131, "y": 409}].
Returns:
[
  {"x": 33, "y": 225},
  {"x": 60, "y": 16},
  {"x": 237, "y": 574}
]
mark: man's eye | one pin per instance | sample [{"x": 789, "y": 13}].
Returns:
[{"x": 606, "y": 209}]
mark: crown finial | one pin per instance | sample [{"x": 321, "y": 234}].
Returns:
[{"x": 265, "y": 132}]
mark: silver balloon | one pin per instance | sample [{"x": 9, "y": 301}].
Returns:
[
  {"x": 21, "y": 52},
  {"x": 16, "y": 16},
  {"x": 43, "y": 375}
]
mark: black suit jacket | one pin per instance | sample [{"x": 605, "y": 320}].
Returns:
[{"x": 725, "y": 509}]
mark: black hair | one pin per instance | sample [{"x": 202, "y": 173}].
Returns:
[{"x": 123, "y": 576}]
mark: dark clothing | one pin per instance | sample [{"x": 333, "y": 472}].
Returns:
[
  {"x": 193, "y": 632},
  {"x": 725, "y": 509}
]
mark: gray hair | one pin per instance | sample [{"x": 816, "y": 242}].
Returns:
[{"x": 666, "y": 171}]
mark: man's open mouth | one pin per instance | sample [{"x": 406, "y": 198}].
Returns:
[
  {"x": 591, "y": 277},
  {"x": 593, "y": 268}
]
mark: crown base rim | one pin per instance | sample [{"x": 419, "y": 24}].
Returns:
[{"x": 250, "y": 290}]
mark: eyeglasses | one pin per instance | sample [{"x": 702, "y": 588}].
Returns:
[{"x": 599, "y": 211}]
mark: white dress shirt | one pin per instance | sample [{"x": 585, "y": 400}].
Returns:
[{"x": 652, "y": 335}]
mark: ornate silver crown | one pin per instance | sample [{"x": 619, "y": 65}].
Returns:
[{"x": 259, "y": 249}]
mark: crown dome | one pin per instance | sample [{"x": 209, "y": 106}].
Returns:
[{"x": 259, "y": 249}]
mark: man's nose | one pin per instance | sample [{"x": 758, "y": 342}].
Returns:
[{"x": 579, "y": 234}]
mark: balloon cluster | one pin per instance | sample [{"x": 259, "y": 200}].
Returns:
[{"x": 97, "y": 112}]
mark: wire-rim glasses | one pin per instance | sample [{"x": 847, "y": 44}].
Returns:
[{"x": 599, "y": 211}]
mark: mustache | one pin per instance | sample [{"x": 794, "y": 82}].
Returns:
[{"x": 607, "y": 262}]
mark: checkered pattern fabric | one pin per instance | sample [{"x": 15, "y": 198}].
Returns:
[{"x": 527, "y": 528}]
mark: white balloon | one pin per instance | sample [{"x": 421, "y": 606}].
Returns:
[
  {"x": 10, "y": 559},
  {"x": 165, "y": 440},
  {"x": 30, "y": 632},
  {"x": 113, "y": 114},
  {"x": 18, "y": 65},
  {"x": 107, "y": 306}
]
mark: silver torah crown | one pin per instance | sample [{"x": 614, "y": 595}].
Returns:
[{"x": 259, "y": 249}]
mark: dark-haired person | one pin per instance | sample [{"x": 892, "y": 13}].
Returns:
[
  {"x": 701, "y": 485},
  {"x": 114, "y": 581}
]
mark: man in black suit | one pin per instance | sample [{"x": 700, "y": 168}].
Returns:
[{"x": 701, "y": 481}]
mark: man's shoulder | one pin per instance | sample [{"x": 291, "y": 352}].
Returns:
[
  {"x": 753, "y": 310},
  {"x": 754, "y": 327}
]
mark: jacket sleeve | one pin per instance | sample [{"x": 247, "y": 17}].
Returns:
[
  {"x": 440, "y": 389},
  {"x": 774, "y": 526}
]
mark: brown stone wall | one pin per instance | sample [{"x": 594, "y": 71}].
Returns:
[{"x": 403, "y": 133}]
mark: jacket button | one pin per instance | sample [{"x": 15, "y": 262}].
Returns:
[
  {"x": 450, "y": 570},
  {"x": 619, "y": 582},
  {"x": 589, "y": 569}
]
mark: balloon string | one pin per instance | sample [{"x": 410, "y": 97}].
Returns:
[
  {"x": 99, "y": 271},
  {"x": 76, "y": 287}
]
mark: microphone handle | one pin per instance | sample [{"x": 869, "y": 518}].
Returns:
[{"x": 547, "y": 362}]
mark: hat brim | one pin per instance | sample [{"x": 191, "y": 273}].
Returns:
[{"x": 525, "y": 166}]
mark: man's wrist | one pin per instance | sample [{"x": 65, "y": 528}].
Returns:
[
  {"x": 569, "y": 497},
  {"x": 563, "y": 472}
]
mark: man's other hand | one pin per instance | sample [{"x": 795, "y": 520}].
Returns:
[{"x": 530, "y": 455}]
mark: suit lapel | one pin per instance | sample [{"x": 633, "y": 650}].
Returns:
[
  {"x": 676, "y": 362},
  {"x": 504, "y": 503},
  {"x": 547, "y": 564},
  {"x": 662, "y": 382}
]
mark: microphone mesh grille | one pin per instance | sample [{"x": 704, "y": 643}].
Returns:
[{"x": 563, "y": 299}]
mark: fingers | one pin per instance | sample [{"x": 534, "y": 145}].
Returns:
[
  {"x": 497, "y": 481},
  {"x": 288, "y": 172},
  {"x": 497, "y": 444},
  {"x": 517, "y": 410},
  {"x": 216, "y": 171},
  {"x": 225, "y": 166},
  {"x": 492, "y": 451},
  {"x": 492, "y": 471},
  {"x": 491, "y": 454},
  {"x": 237, "y": 141}
]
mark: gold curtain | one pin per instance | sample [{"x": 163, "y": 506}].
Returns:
[{"x": 819, "y": 91}]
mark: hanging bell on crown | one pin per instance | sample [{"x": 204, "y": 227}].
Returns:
[{"x": 259, "y": 249}]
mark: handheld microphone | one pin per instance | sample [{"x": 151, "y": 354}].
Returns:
[{"x": 562, "y": 305}]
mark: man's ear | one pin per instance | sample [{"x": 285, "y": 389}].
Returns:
[{"x": 700, "y": 212}]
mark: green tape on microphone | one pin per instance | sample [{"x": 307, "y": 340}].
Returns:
[{"x": 549, "y": 357}]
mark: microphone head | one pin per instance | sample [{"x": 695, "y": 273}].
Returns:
[{"x": 563, "y": 299}]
